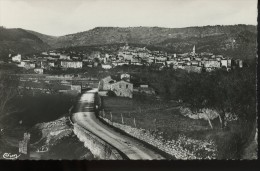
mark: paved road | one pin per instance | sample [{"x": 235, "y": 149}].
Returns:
[{"x": 132, "y": 148}]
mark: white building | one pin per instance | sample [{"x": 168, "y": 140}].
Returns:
[
  {"x": 186, "y": 59},
  {"x": 32, "y": 65},
  {"x": 105, "y": 83},
  {"x": 76, "y": 88},
  {"x": 229, "y": 63},
  {"x": 224, "y": 63},
  {"x": 211, "y": 64},
  {"x": 51, "y": 64},
  {"x": 22, "y": 64},
  {"x": 106, "y": 66},
  {"x": 54, "y": 54},
  {"x": 71, "y": 64},
  {"x": 17, "y": 58},
  {"x": 38, "y": 70},
  {"x": 64, "y": 57},
  {"x": 128, "y": 56},
  {"x": 122, "y": 88},
  {"x": 27, "y": 65}
]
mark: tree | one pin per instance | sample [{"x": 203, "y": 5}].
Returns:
[
  {"x": 233, "y": 92},
  {"x": 196, "y": 90},
  {"x": 111, "y": 93},
  {"x": 226, "y": 92},
  {"x": 8, "y": 90},
  {"x": 4, "y": 55}
]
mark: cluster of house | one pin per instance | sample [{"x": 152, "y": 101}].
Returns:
[
  {"x": 188, "y": 61},
  {"x": 46, "y": 61},
  {"x": 121, "y": 86},
  {"x": 126, "y": 55}
]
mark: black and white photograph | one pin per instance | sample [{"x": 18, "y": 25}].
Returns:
[{"x": 128, "y": 80}]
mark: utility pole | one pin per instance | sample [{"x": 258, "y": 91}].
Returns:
[
  {"x": 111, "y": 117},
  {"x": 134, "y": 122},
  {"x": 122, "y": 119},
  {"x": 155, "y": 124}
]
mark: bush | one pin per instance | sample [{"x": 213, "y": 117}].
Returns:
[
  {"x": 111, "y": 93},
  {"x": 228, "y": 145}
]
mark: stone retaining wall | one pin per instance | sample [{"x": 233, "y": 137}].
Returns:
[
  {"x": 98, "y": 147},
  {"x": 183, "y": 148}
]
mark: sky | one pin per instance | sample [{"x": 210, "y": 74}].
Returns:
[{"x": 60, "y": 17}]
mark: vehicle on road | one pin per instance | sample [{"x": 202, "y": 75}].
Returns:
[{"x": 91, "y": 101}]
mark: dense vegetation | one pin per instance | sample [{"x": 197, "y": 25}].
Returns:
[
  {"x": 8, "y": 88},
  {"x": 226, "y": 92},
  {"x": 42, "y": 108}
]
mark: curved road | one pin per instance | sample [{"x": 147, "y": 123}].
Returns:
[{"x": 132, "y": 148}]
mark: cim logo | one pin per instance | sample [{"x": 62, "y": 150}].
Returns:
[
  {"x": 10, "y": 156},
  {"x": 42, "y": 149}
]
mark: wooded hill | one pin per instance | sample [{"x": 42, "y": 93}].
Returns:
[
  {"x": 238, "y": 41},
  {"x": 19, "y": 41}
]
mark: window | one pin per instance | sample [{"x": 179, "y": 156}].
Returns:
[
  {"x": 120, "y": 86},
  {"x": 126, "y": 86}
]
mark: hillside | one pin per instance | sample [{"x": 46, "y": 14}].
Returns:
[
  {"x": 19, "y": 41},
  {"x": 45, "y": 38},
  {"x": 238, "y": 41}
]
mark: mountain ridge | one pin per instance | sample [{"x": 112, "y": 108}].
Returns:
[{"x": 230, "y": 39}]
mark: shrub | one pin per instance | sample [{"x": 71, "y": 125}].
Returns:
[{"x": 111, "y": 93}]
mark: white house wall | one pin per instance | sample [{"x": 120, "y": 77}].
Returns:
[{"x": 120, "y": 89}]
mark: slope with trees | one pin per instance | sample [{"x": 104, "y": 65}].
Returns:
[
  {"x": 238, "y": 41},
  {"x": 19, "y": 41}
]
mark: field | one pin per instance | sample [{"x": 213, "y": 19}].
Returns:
[
  {"x": 154, "y": 115},
  {"x": 164, "y": 120}
]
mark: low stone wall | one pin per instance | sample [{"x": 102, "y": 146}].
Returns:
[
  {"x": 96, "y": 145},
  {"x": 183, "y": 148}
]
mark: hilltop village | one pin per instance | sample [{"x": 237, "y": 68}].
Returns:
[
  {"x": 39, "y": 66},
  {"x": 126, "y": 55}
]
